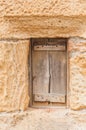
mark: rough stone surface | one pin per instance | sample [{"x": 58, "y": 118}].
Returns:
[
  {"x": 14, "y": 75},
  {"x": 43, "y": 7},
  {"x": 24, "y": 27},
  {"x": 77, "y": 63},
  {"x": 42, "y": 18},
  {"x": 46, "y": 119},
  {"x": 24, "y": 19}
]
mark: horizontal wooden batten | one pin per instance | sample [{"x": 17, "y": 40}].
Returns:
[
  {"x": 50, "y": 97},
  {"x": 49, "y": 44},
  {"x": 49, "y": 47}
]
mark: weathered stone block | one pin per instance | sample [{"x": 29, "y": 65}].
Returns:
[
  {"x": 77, "y": 59},
  {"x": 24, "y": 27},
  {"x": 43, "y": 7},
  {"x": 14, "y": 75},
  {"x": 42, "y": 18}
]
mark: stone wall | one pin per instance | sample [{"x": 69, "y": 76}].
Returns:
[
  {"x": 42, "y": 18},
  {"x": 21, "y": 20},
  {"x": 43, "y": 7},
  {"x": 14, "y": 80}
]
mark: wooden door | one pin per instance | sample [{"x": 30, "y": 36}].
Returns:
[{"x": 49, "y": 72}]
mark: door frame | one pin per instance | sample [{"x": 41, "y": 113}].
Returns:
[{"x": 30, "y": 79}]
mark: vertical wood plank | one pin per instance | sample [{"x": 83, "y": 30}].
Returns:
[
  {"x": 40, "y": 72},
  {"x": 58, "y": 72}
]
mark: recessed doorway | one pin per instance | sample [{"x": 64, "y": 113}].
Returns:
[{"x": 48, "y": 71}]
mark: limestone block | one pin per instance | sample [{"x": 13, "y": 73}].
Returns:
[
  {"x": 77, "y": 59},
  {"x": 14, "y": 75},
  {"x": 27, "y": 27},
  {"x": 43, "y": 7},
  {"x": 42, "y": 18}
]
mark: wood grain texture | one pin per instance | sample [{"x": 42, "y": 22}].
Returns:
[
  {"x": 50, "y": 97},
  {"x": 49, "y": 70},
  {"x": 58, "y": 72},
  {"x": 40, "y": 72}
]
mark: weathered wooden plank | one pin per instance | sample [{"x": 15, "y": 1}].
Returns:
[
  {"x": 58, "y": 73},
  {"x": 55, "y": 47},
  {"x": 40, "y": 65},
  {"x": 60, "y": 98}
]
